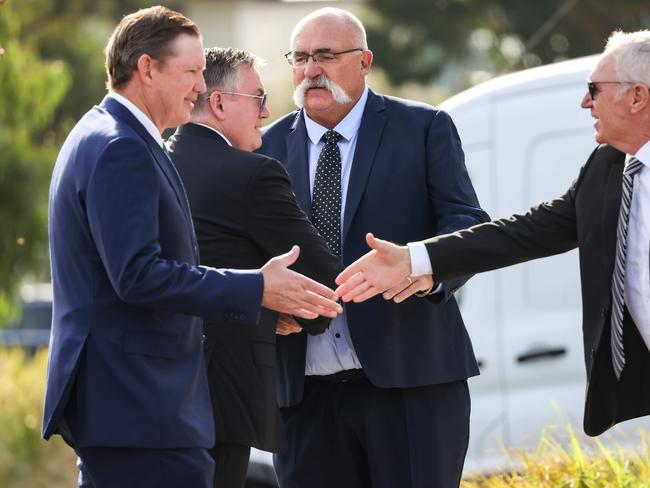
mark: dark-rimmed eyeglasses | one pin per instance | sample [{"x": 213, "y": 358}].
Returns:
[
  {"x": 261, "y": 99},
  {"x": 592, "y": 86},
  {"x": 298, "y": 58}
]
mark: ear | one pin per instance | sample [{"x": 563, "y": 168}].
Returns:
[
  {"x": 144, "y": 68},
  {"x": 640, "y": 98},
  {"x": 215, "y": 102},
  {"x": 366, "y": 61}
]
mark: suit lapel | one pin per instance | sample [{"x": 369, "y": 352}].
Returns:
[
  {"x": 162, "y": 160},
  {"x": 120, "y": 111},
  {"x": 370, "y": 132},
  {"x": 612, "y": 204},
  {"x": 298, "y": 162}
]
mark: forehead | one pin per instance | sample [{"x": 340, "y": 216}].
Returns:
[
  {"x": 249, "y": 77},
  {"x": 188, "y": 51},
  {"x": 323, "y": 33},
  {"x": 604, "y": 69}
]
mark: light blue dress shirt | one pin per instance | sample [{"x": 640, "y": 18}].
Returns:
[{"x": 332, "y": 351}]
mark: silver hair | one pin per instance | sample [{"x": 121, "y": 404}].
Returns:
[
  {"x": 222, "y": 71},
  {"x": 340, "y": 15},
  {"x": 630, "y": 52}
]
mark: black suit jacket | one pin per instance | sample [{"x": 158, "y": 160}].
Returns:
[
  {"x": 244, "y": 212},
  {"x": 585, "y": 216}
]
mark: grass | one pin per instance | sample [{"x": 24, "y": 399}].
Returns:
[
  {"x": 579, "y": 463},
  {"x": 26, "y": 461}
]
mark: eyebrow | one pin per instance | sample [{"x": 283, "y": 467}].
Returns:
[{"x": 319, "y": 50}]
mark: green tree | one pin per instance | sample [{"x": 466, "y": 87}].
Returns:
[
  {"x": 415, "y": 39},
  {"x": 51, "y": 72},
  {"x": 30, "y": 91}
]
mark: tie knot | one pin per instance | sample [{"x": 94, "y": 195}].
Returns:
[
  {"x": 633, "y": 166},
  {"x": 331, "y": 137}
]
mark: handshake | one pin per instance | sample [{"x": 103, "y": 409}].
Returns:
[{"x": 385, "y": 269}]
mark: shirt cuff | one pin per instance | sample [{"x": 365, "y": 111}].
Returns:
[{"x": 420, "y": 262}]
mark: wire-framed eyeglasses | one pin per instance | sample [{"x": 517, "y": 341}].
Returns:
[
  {"x": 298, "y": 58},
  {"x": 261, "y": 99}
]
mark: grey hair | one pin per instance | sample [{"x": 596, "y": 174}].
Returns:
[
  {"x": 222, "y": 71},
  {"x": 631, "y": 55},
  {"x": 340, "y": 15}
]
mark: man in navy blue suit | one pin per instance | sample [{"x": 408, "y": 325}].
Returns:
[
  {"x": 380, "y": 399},
  {"x": 126, "y": 384}
]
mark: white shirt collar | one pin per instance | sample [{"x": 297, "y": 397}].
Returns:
[
  {"x": 348, "y": 127},
  {"x": 138, "y": 114},
  {"x": 643, "y": 154},
  {"x": 215, "y": 130}
]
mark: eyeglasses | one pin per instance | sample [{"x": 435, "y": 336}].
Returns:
[
  {"x": 261, "y": 99},
  {"x": 592, "y": 86},
  {"x": 297, "y": 58}
]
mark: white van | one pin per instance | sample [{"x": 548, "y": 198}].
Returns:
[{"x": 525, "y": 138}]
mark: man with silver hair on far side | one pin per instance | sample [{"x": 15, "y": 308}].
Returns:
[
  {"x": 380, "y": 399},
  {"x": 605, "y": 213},
  {"x": 244, "y": 212}
]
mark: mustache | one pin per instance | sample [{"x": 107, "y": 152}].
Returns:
[{"x": 321, "y": 81}]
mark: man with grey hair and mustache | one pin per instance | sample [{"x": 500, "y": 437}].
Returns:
[
  {"x": 605, "y": 213},
  {"x": 380, "y": 399}
]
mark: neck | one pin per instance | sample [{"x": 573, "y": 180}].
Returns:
[{"x": 136, "y": 96}]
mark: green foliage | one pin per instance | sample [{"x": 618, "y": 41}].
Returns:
[
  {"x": 22, "y": 383},
  {"x": 26, "y": 461},
  {"x": 31, "y": 91},
  {"x": 51, "y": 72},
  {"x": 415, "y": 39}
]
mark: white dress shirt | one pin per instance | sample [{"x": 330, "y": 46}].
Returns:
[
  {"x": 637, "y": 265},
  {"x": 332, "y": 351},
  {"x": 139, "y": 114}
]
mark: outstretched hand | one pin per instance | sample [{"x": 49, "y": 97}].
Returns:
[
  {"x": 289, "y": 292},
  {"x": 381, "y": 269}
]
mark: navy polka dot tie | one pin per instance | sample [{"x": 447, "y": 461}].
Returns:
[{"x": 326, "y": 203}]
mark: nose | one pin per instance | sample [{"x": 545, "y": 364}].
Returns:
[
  {"x": 200, "y": 85},
  {"x": 312, "y": 68},
  {"x": 586, "y": 101},
  {"x": 266, "y": 113}
]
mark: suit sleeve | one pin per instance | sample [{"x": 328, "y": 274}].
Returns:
[
  {"x": 547, "y": 229},
  {"x": 276, "y": 222},
  {"x": 451, "y": 194},
  {"x": 122, "y": 204}
]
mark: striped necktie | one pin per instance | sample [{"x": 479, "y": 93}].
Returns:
[{"x": 618, "y": 278}]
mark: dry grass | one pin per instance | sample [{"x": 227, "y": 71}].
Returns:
[
  {"x": 582, "y": 463},
  {"x": 26, "y": 461}
]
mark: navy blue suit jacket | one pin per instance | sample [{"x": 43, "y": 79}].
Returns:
[
  {"x": 408, "y": 182},
  {"x": 126, "y": 365}
]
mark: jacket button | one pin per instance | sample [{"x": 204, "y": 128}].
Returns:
[
  {"x": 603, "y": 312},
  {"x": 204, "y": 339}
]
